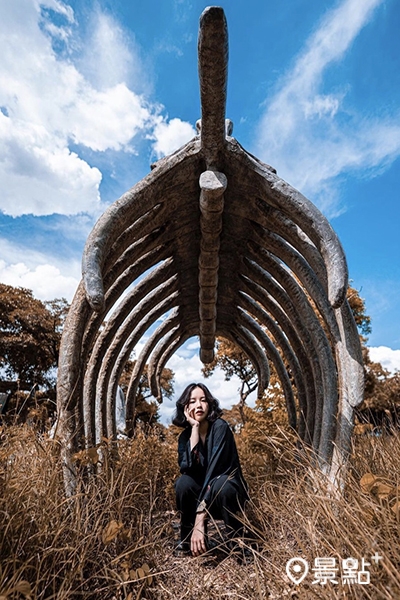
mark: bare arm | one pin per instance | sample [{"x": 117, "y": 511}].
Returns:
[
  {"x": 198, "y": 539},
  {"x": 195, "y": 435}
]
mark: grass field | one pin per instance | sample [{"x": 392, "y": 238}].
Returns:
[{"x": 115, "y": 538}]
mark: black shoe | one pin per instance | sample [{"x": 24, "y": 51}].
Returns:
[
  {"x": 243, "y": 554},
  {"x": 182, "y": 549}
]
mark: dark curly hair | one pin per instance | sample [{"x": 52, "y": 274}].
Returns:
[{"x": 214, "y": 411}]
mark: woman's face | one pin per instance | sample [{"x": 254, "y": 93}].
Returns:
[{"x": 198, "y": 406}]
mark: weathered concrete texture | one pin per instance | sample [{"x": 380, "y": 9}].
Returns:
[{"x": 214, "y": 241}]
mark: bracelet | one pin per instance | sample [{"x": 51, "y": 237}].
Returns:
[{"x": 201, "y": 507}]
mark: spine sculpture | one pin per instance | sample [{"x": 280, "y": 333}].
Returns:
[{"x": 216, "y": 244}]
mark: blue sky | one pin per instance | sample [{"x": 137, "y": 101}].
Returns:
[{"x": 92, "y": 92}]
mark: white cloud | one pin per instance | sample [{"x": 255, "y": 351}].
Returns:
[
  {"x": 107, "y": 119},
  {"x": 108, "y": 56},
  {"x": 389, "y": 358},
  {"x": 47, "y": 100},
  {"x": 59, "y": 7},
  {"x": 171, "y": 135},
  {"x": 310, "y": 136},
  {"x": 45, "y": 281},
  {"x": 47, "y": 277},
  {"x": 40, "y": 175},
  {"x": 319, "y": 106}
]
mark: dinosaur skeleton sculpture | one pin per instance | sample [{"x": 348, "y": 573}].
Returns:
[{"x": 213, "y": 243}]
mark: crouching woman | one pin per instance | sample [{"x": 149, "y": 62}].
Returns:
[{"x": 211, "y": 481}]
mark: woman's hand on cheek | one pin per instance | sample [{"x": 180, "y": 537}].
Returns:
[{"x": 189, "y": 417}]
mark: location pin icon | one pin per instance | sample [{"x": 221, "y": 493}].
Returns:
[{"x": 297, "y": 569}]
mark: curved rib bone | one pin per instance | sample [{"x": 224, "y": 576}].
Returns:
[{"x": 274, "y": 355}]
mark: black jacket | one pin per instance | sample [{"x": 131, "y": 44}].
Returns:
[{"x": 205, "y": 462}]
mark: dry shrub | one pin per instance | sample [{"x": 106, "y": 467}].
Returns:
[
  {"x": 115, "y": 539},
  {"x": 98, "y": 543},
  {"x": 297, "y": 514}
]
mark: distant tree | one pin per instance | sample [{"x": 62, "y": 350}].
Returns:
[
  {"x": 233, "y": 361},
  {"x": 30, "y": 333},
  {"x": 58, "y": 309},
  {"x": 381, "y": 405},
  {"x": 269, "y": 411},
  {"x": 357, "y": 305},
  {"x": 146, "y": 410}
]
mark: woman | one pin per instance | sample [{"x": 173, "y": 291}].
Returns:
[{"x": 211, "y": 482}]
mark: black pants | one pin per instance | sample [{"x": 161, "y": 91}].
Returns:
[{"x": 225, "y": 502}]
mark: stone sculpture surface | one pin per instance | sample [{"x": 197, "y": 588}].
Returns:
[{"x": 217, "y": 244}]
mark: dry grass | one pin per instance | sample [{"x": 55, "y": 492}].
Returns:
[{"x": 115, "y": 539}]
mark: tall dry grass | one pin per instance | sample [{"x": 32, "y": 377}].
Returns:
[{"x": 115, "y": 539}]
